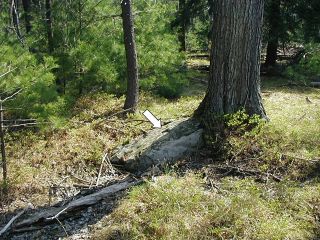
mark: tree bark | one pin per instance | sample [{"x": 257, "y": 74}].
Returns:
[
  {"x": 15, "y": 19},
  {"x": 234, "y": 81},
  {"x": 131, "y": 55},
  {"x": 49, "y": 26},
  {"x": 27, "y": 16},
  {"x": 183, "y": 25},
  {"x": 273, "y": 18},
  {"x": 3, "y": 148}
]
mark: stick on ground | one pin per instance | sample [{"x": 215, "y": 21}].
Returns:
[{"x": 7, "y": 227}]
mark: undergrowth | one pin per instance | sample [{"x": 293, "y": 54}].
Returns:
[
  {"x": 288, "y": 147},
  {"x": 184, "y": 208},
  {"x": 38, "y": 160}
]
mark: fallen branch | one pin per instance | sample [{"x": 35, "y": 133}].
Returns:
[
  {"x": 11, "y": 96},
  {"x": 53, "y": 213},
  {"x": 4, "y": 74},
  {"x": 315, "y": 84},
  {"x": 118, "y": 113},
  {"x": 247, "y": 172},
  {"x": 301, "y": 158},
  {"x": 7, "y": 227},
  {"x": 104, "y": 159}
]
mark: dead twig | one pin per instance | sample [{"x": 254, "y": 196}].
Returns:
[
  {"x": 12, "y": 95},
  {"x": 119, "y": 113},
  {"x": 7, "y": 227},
  {"x": 101, "y": 166},
  {"x": 249, "y": 172},
  {"x": 301, "y": 158},
  {"x": 6, "y": 73},
  {"x": 64, "y": 229},
  {"x": 58, "y": 214},
  {"x": 80, "y": 179},
  {"x": 302, "y": 117}
]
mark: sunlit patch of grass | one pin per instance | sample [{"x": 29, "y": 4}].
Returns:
[
  {"x": 296, "y": 116},
  {"x": 197, "y": 62},
  {"x": 289, "y": 144},
  {"x": 183, "y": 208},
  {"x": 170, "y": 109}
]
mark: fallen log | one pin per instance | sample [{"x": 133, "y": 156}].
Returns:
[
  {"x": 205, "y": 68},
  {"x": 166, "y": 145},
  {"x": 8, "y": 225},
  {"x": 315, "y": 84},
  {"x": 53, "y": 213},
  {"x": 199, "y": 55}
]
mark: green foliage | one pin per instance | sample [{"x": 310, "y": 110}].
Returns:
[
  {"x": 198, "y": 35},
  {"x": 308, "y": 11},
  {"x": 88, "y": 55},
  {"x": 90, "y": 52},
  {"x": 308, "y": 68},
  {"x": 193, "y": 23},
  {"x": 38, "y": 97},
  {"x": 241, "y": 121},
  {"x": 161, "y": 64}
]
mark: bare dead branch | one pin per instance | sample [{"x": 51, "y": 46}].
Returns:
[
  {"x": 6, "y": 73},
  {"x": 20, "y": 120},
  {"x": 7, "y": 227},
  {"x": 54, "y": 212},
  {"x": 12, "y": 95}
]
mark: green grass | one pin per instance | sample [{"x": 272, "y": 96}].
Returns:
[
  {"x": 297, "y": 120},
  {"x": 184, "y": 208},
  {"x": 37, "y": 160},
  {"x": 288, "y": 146}
]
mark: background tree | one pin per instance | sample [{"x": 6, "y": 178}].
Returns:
[
  {"x": 48, "y": 8},
  {"x": 27, "y": 14},
  {"x": 14, "y": 11},
  {"x": 193, "y": 21},
  {"x": 274, "y": 21},
  {"x": 234, "y": 81},
  {"x": 131, "y": 56},
  {"x": 308, "y": 12}
]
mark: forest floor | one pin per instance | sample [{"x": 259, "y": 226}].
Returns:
[{"x": 266, "y": 187}]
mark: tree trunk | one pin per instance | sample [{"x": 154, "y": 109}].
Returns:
[
  {"x": 273, "y": 18},
  {"x": 15, "y": 20},
  {"x": 234, "y": 81},
  {"x": 27, "y": 15},
  {"x": 131, "y": 55},
  {"x": 183, "y": 25},
  {"x": 3, "y": 148},
  {"x": 49, "y": 26}
]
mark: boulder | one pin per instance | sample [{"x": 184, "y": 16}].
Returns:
[{"x": 168, "y": 144}]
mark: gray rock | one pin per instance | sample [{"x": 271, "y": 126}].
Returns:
[{"x": 166, "y": 145}]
